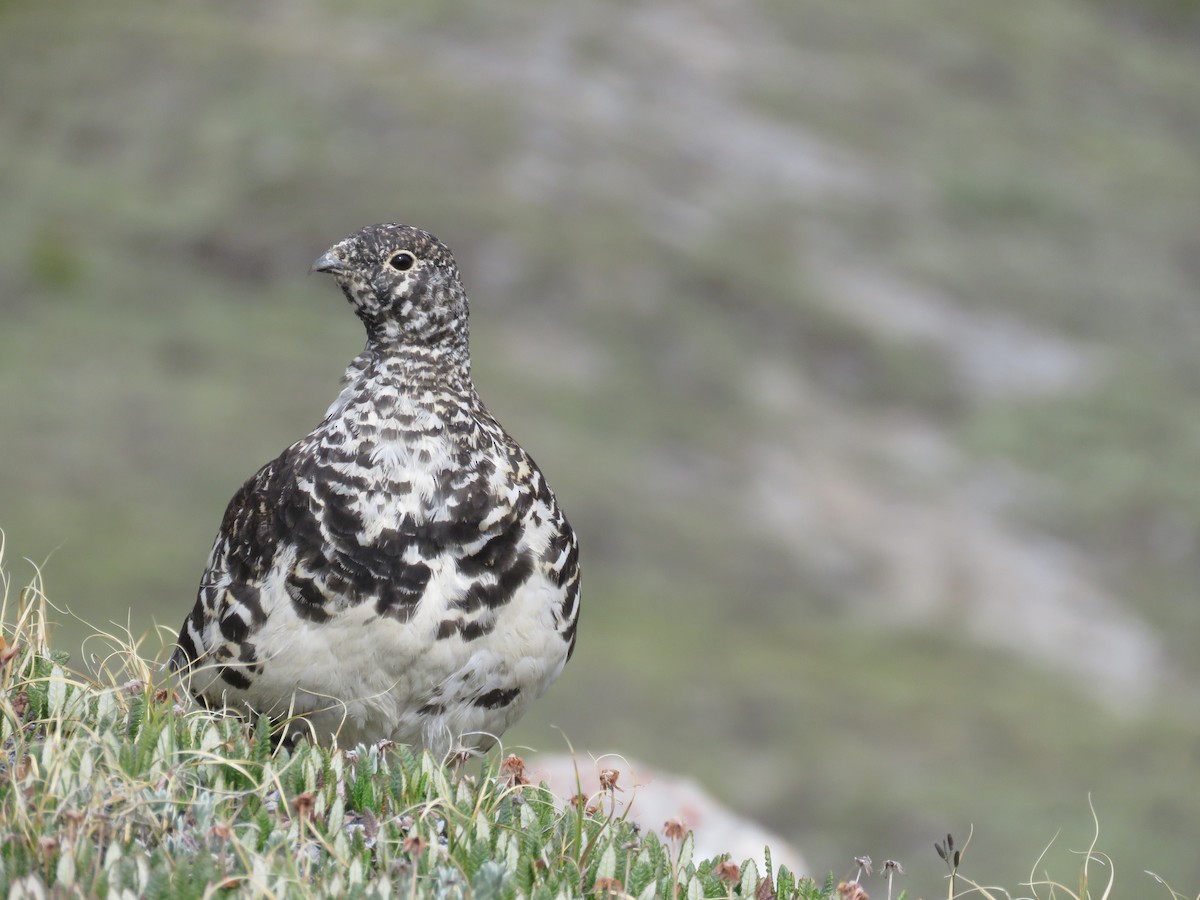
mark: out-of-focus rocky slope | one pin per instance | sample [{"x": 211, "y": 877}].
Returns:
[{"x": 861, "y": 345}]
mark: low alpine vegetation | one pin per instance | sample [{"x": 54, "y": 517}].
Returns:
[{"x": 115, "y": 787}]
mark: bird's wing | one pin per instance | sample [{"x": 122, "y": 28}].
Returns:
[
  {"x": 301, "y": 533},
  {"x": 229, "y": 602}
]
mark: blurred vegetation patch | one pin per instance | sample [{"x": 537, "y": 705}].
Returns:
[
  {"x": 1178, "y": 17},
  {"x": 761, "y": 293},
  {"x": 1120, "y": 465},
  {"x": 1125, "y": 454},
  {"x": 1001, "y": 197},
  {"x": 53, "y": 261}
]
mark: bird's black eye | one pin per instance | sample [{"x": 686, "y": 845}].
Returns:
[{"x": 402, "y": 261}]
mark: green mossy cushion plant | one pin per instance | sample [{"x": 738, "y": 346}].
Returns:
[{"x": 113, "y": 786}]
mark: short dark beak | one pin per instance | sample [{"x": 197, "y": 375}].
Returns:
[{"x": 327, "y": 262}]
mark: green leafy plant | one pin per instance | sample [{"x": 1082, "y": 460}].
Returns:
[{"x": 115, "y": 786}]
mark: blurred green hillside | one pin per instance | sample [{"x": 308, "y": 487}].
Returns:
[{"x": 860, "y": 341}]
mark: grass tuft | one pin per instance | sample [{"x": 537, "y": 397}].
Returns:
[{"x": 114, "y": 786}]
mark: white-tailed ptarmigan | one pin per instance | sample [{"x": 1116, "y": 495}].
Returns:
[{"x": 403, "y": 572}]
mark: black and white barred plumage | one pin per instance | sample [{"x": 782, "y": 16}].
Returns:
[{"x": 404, "y": 572}]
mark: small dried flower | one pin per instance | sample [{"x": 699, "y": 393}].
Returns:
[
  {"x": 608, "y": 887},
  {"x": 161, "y": 695},
  {"x": 512, "y": 771},
  {"x": 852, "y": 890},
  {"x": 414, "y": 845},
  {"x": 302, "y": 805},
  {"x": 513, "y": 763},
  {"x": 608, "y": 780},
  {"x": 20, "y": 703},
  {"x": 675, "y": 829},
  {"x": 579, "y": 801},
  {"x": 864, "y": 866},
  {"x": 727, "y": 871}
]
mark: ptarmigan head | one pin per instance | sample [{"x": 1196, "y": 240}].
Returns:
[{"x": 402, "y": 282}]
